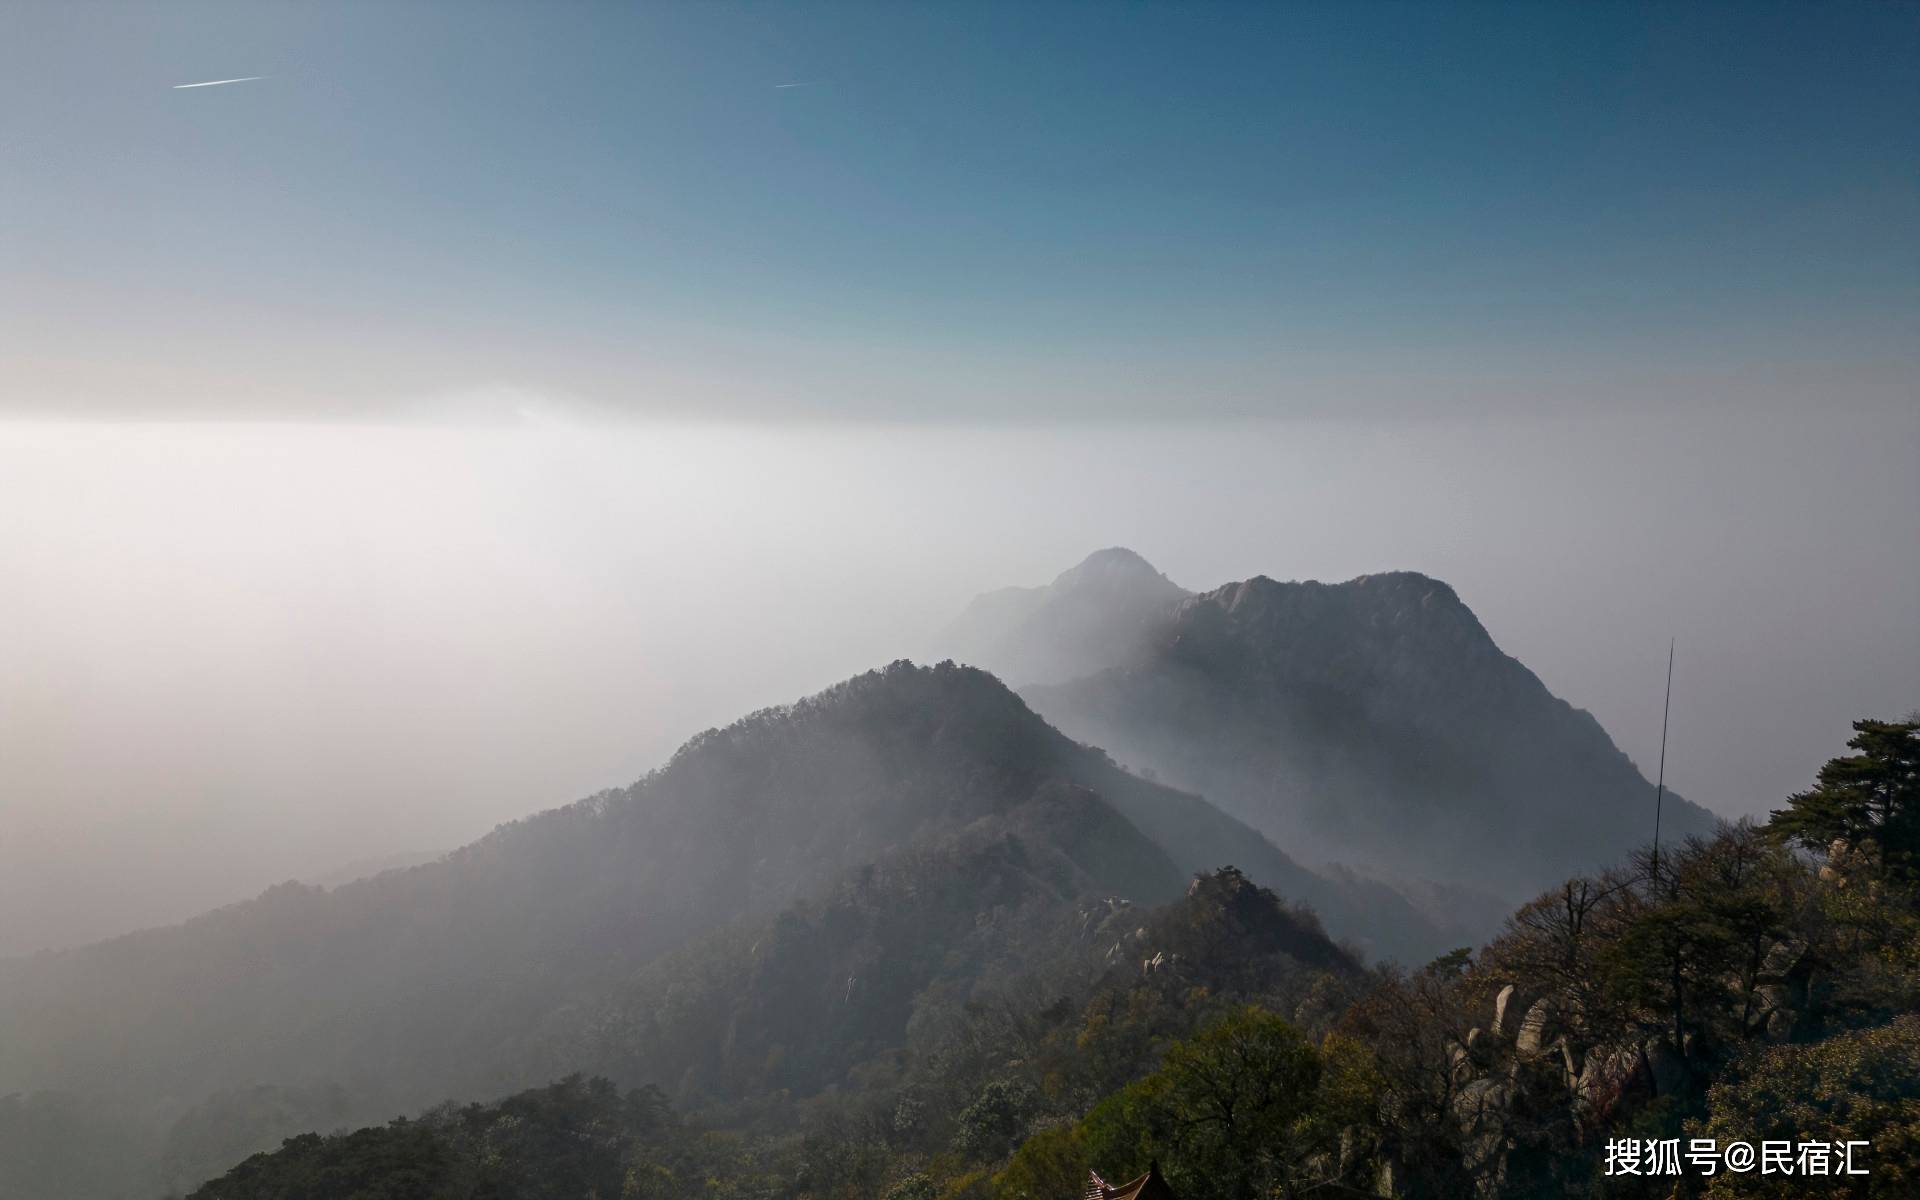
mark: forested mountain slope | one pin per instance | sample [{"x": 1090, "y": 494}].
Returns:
[
  {"x": 968, "y": 1078},
  {"x": 421, "y": 972},
  {"x": 1372, "y": 722},
  {"x": 1757, "y": 988},
  {"x": 487, "y": 970}
]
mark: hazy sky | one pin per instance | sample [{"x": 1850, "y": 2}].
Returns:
[
  {"x": 240, "y": 653},
  {"x": 447, "y": 424}
]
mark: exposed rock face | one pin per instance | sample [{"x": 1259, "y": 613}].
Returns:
[
  {"x": 1532, "y": 1034},
  {"x": 1502, "y": 1004},
  {"x": 1372, "y": 722},
  {"x": 1104, "y": 612},
  {"x": 1530, "y": 1056}
]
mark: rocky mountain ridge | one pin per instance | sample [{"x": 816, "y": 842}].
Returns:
[{"x": 1373, "y": 723}]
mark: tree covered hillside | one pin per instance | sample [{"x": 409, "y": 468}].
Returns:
[
  {"x": 889, "y": 844},
  {"x": 1759, "y": 984},
  {"x": 1374, "y": 723}
]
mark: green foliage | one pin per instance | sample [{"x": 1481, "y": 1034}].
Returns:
[
  {"x": 996, "y": 1119},
  {"x": 917, "y": 1186},
  {"x": 230, "y": 1126},
  {"x": 1235, "y": 1112},
  {"x": 1684, "y": 954},
  {"x": 1400, "y": 1083},
  {"x": 965, "y": 1020},
  {"x": 578, "y": 1139},
  {"x": 1453, "y": 964},
  {"x": 1051, "y": 1163},
  {"x": 402, "y": 1161},
  {"x": 1866, "y": 806},
  {"x": 1861, "y": 1086}
]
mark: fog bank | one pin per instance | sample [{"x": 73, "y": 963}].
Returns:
[{"x": 239, "y": 654}]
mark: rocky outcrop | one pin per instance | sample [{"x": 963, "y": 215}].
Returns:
[{"x": 1529, "y": 1057}]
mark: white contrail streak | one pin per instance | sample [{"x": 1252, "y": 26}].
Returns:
[
  {"x": 218, "y": 82},
  {"x": 807, "y": 83}
]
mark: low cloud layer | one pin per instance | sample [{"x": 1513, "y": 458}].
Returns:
[{"x": 246, "y": 653}]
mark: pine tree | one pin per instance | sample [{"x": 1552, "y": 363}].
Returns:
[{"x": 1868, "y": 803}]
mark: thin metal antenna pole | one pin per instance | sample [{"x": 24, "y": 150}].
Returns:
[{"x": 1660, "y": 788}]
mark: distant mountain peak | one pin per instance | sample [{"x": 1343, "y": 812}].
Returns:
[
  {"x": 1411, "y": 582},
  {"x": 1379, "y": 584},
  {"x": 1101, "y": 612},
  {"x": 1374, "y": 722},
  {"x": 1388, "y": 607},
  {"x": 1113, "y": 564}
]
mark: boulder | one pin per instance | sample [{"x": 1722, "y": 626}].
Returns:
[
  {"x": 1501, "y": 1003},
  {"x": 1782, "y": 960},
  {"x": 1532, "y": 1034}
]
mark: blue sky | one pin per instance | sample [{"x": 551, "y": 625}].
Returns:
[{"x": 973, "y": 211}]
